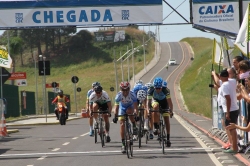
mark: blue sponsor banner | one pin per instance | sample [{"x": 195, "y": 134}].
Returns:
[{"x": 65, "y": 3}]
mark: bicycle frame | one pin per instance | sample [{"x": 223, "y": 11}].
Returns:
[
  {"x": 100, "y": 130},
  {"x": 128, "y": 135}
]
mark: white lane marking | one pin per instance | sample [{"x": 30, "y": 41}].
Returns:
[
  {"x": 163, "y": 66},
  {"x": 84, "y": 134},
  {"x": 30, "y": 165},
  {"x": 111, "y": 151},
  {"x": 41, "y": 158},
  {"x": 66, "y": 143},
  {"x": 56, "y": 149},
  {"x": 212, "y": 156},
  {"x": 75, "y": 138}
]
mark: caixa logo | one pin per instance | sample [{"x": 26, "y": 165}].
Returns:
[{"x": 218, "y": 9}]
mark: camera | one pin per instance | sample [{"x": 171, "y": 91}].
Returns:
[{"x": 211, "y": 85}]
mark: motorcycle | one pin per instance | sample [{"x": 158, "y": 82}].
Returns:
[{"x": 61, "y": 113}]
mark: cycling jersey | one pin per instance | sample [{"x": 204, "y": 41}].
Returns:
[
  {"x": 104, "y": 98},
  {"x": 165, "y": 93},
  {"x": 89, "y": 93},
  {"x": 125, "y": 102}
]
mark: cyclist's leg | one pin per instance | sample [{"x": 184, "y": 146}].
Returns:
[
  {"x": 166, "y": 116},
  {"x": 106, "y": 119},
  {"x": 122, "y": 111},
  {"x": 130, "y": 110},
  {"x": 146, "y": 113},
  {"x": 95, "y": 115},
  {"x": 155, "y": 116},
  {"x": 91, "y": 132}
]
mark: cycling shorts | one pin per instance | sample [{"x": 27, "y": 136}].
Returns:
[
  {"x": 123, "y": 110},
  {"x": 161, "y": 103}
]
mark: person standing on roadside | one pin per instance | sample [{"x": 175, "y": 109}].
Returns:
[{"x": 228, "y": 99}]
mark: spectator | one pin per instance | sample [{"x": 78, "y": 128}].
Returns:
[{"x": 228, "y": 99}]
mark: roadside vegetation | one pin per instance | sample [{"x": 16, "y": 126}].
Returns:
[{"x": 76, "y": 54}]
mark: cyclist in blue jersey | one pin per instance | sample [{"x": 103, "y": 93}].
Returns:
[
  {"x": 158, "y": 98},
  {"x": 136, "y": 89},
  {"x": 91, "y": 130},
  {"x": 125, "y": 102}
]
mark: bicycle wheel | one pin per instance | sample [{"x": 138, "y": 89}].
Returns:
[
  {"x": 126, "y": 137},
  {"x": 140, "y": 129},
  {"x": 96, "y": 131},
  {"x": 102, "y": 133},
  {"x": 146, "y": 137},
  {"x": 162, "y": 137},
  {"x": 131, "y": 143}
]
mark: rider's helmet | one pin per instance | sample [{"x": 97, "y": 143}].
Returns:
[
  {"x": 98, "y": 88},
  {"x": 60, "y": 92},
  {"x": 144, "y": 88},
  {"x": 141, "y": 95},
  {"x": 158, "y": 82},
  {"x": 124, "y": 85},
  {"x": 96, "y": 84},
  {"x": 164, "y": 84},
  {"x": 139, "y": 82},
  {"x": 149, "y": 85}
]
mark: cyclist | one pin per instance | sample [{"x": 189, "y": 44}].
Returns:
[
  {"x": 125, "y": 102},
  {"x": 61, "y": 98},
  {"x": 138, "y": 82},
  {"x": 166, "y": 90},
  {"x": 136, "y": 89},
  {"x": 156, "y": 99},
  {"x": 150, "y": 87},
  {"x": 91, "y": 131},
  {"x": 100, "y": 99}
]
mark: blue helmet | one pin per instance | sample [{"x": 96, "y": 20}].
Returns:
[
  {"x": 164, "y": 84},
  {"x": 158, "y": 82}
]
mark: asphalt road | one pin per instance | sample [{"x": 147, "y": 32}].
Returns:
[{"x": 56, "y": 145}]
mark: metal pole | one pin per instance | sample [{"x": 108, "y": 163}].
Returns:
[
  {"x": 133, "y": 63},
  {"x": 75, "y": 97},
  {"x": 128, "y": 67},
  {"x": 116, "y": 80},
  {"x": 144, "y": 55},
  {"x": 44, "y": 80},
  {"x": 122, "y": 66},
  {"x": 36, "y": 84}
]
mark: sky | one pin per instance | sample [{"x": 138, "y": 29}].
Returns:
[{"x": 174, "y": 33}]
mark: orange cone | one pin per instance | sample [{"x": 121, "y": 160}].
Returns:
[{"x": 3, "y": 129}]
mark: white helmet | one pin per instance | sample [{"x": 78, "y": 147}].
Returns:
[
  {"x": 149, "y": 85},
  {"x": 141, "y": 95},
  {"x": 139, "y": 82}
]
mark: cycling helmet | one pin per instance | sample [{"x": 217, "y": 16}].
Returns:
[
  {"x": 141, "y": 95},
  {"x": 96, "y": 84},
  {"x": 60, "y": 92},
  {"x": 158, "y": 82},
  {"x": 164, "y": 84},
  {"x": 98, "y": 88},
  {"x": 139, "y": 82},
  {"x": 124, "y": 85},
  {"x": 149, "y": 85}
]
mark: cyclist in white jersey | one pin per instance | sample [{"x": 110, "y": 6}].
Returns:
[
  {"x": 91, "y": 131},
  {"x": 125, "y": 102},
  {"x": 100, "y": 99}
]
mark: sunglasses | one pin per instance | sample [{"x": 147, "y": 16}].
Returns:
[
  {"x": 125, "y": 90},
  {"x": 157, "y": 88},
  {"x": 98, "y": 92}
]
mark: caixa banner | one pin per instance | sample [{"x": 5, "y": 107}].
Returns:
[
  {"x": 110, "y": 36},
  {"x": 218, "y": 15},
  {"x": 18, "y": 14}
]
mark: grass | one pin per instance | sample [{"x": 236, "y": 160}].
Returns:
[{"x": 98, "y": 68}]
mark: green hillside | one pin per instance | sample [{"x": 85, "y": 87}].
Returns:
[{"x": 91, "y": 62}]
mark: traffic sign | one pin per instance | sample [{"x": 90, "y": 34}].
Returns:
[
  {"x": 78, "y": 89},
  {"x": 18, "y": 76},
  {"x": 112, "y": 89},
  {"x": 74, "y": 79},
  {"x": 54, "y": 84},
  {"x": 5, "y": 75}
]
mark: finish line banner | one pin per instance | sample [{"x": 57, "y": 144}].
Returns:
[{"x": 23, "y": 14}]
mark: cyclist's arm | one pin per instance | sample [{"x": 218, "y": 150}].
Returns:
[
  {"x": 170, "y": 104},
  {"x": 116, "y": 108},
  {"x": 136, "y": 107},
  {"x": 110, "y": 107},
  {"x": 149, "y": 103},
  {"x": 87, "y": 104}
]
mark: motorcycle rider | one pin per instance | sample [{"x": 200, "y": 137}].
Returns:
[{"x": 61, "y": 98}]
